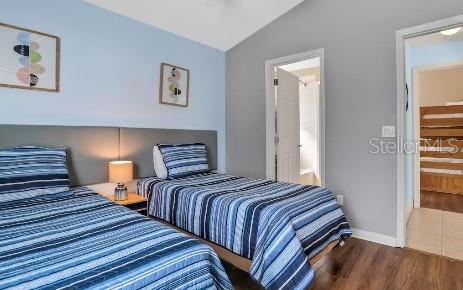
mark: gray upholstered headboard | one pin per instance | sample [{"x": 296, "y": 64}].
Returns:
[{"x": 91, "y": 148}]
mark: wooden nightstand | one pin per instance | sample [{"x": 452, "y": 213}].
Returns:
[{"x": 135, "y": 202}]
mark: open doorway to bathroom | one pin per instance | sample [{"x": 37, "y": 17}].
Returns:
[
  {"x": 434, "y": 203},
  {"x": 295, "y": 119}
]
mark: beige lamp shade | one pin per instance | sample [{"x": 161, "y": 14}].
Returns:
[{"x": 120, "y": 171}]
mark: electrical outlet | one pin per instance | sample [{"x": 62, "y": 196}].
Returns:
[
  {"x": 388, "y": 131},
  {"x": 340, "y": 199}
]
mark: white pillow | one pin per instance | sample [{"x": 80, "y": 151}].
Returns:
[{"x": 158, "y": 161}]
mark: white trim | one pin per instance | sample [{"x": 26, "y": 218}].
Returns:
[
  {"x": 270, "y": 110},
  {"x": 401, "y": 103},
  {"x": 401, "y": 36},
  {"x": 416, "y": 136},
  {"x": 374, "y": 237}
]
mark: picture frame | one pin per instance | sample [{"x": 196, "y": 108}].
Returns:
[
  {"x": 174, "y": 85},
  {"x": 30, "y": 59}
]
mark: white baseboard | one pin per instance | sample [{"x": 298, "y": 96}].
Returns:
[{"x": 374, "y": 237}]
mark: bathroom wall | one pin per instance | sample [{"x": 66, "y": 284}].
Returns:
[
  {"x": 308, "y": 101},
  {"x": 438, "y": 87}
]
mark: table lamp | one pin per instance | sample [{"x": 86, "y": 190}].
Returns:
[{"x": 120, "y": 172}]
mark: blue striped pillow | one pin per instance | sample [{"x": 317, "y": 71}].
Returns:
[
  {"x": 29, "y": 171},
  {"x": 184, "y": 159}
]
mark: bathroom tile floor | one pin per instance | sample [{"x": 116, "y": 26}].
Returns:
[{"x": 436, "y": 231}]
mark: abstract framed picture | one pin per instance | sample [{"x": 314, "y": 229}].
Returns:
[
  {"x": 174, "y": 85},
  {"x": 28, "y": 59}
]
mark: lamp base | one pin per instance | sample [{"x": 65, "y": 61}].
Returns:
[{"x": 120, "y": 192}]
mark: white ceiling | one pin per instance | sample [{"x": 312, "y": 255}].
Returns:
[
  {"x": 434, "y": 39},
  {"x": 300, "y": 65},
  {"x": 218, "y": 23}
]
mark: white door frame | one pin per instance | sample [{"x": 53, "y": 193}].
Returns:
[
  {"x": 416, "y": 120},
  {"x": 401, "y": 36},
  {"x": 270, "y": 109}
]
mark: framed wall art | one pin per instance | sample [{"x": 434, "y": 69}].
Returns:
[
  {"x": 174, "y": 85},
  {"x": 29, "y": 59}
]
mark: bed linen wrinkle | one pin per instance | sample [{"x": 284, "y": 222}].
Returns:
[
  {"x": 82, "y": 240},
  {"x": 276, "y": 225}
]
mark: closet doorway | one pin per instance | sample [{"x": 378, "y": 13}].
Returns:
[{"x": 295, "y": 118}]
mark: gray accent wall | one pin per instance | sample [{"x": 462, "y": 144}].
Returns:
[{"x": 360, "y": 73}]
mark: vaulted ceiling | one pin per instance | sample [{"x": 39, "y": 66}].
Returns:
[{"x": 217, "y": 23}]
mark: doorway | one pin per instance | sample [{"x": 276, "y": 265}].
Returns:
[
  {"x": 295, "y": 118},
  {"x": 430, "y": 114}
]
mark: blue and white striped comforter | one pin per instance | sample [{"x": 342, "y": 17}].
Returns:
[
  {"x": 279, "y": 226},
  {"x": 80, "y": 240}
]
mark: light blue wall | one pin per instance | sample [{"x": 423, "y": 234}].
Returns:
[
  {"x": 443, "y": 53},
  {"x": 110, "y": 72}
]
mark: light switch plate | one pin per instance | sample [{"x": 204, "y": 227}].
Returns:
[
  {"x": 388, "y": 131},
  {"x": 340, "y": 199}
]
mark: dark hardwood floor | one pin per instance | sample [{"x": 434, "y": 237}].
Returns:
[
  {"x": 442, "y": 201},
  {"x": 364, "y": 265}
]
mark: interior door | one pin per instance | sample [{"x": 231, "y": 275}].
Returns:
[{"x": 288, "y": 127}]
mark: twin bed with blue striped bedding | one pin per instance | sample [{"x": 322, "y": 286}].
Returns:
[
  {"x": 54, "y": 237},
  {"x": 278, "y": 226},
  {"x": 80, "y": 240}
]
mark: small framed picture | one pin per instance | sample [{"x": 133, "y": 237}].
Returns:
[
  {"x": 29, "y": 59},
  {"x": 174, "y": 85}
]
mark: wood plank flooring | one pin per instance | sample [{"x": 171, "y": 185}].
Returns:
[
  {"x": 365, "y": 265},
  {"x": 442, "y": 201}
]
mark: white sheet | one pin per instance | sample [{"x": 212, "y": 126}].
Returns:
[
  {"x": 442, "y": 116},
  {"x": 442, "y": 149},
  {"x": 454, "y": 103},
  {"x": 446, "y": 160},
  {"x": 445, "y": 171}
]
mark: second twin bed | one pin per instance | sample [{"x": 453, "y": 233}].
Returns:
[{"x": 277, "y": 226}]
